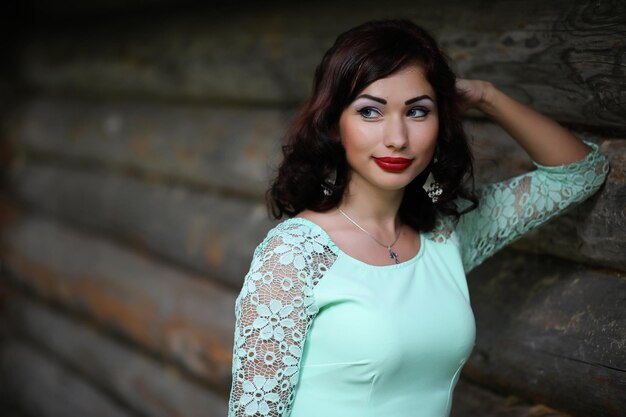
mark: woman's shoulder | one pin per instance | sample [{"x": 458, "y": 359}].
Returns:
[
  {"x": 303, "y": 225},
  {"x": 443, "y": 231},
  {"x": 301, "y": 234},
  {"x": 296, "y": 247}
]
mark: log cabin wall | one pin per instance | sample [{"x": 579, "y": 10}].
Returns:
[{"x": 138, "y": 140}]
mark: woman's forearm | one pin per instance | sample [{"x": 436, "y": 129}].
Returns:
[{"x": 546, "y": 142}]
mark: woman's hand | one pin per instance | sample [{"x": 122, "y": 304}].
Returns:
[{"x": 474, "y": 93}]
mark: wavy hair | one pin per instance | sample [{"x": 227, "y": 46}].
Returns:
[{"x": 312, "y": 152}]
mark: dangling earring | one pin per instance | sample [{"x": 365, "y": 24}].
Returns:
[
  {"x": 329, "y": 182},
  {"x": 432, "y": 187}
]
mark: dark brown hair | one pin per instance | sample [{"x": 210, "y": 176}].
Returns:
[{"x": 311, "y": 152}]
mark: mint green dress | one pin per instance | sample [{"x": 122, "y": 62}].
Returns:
[{"x": 321, "y": 334}]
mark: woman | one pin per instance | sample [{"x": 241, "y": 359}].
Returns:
[{"x": 357, "y": 304}]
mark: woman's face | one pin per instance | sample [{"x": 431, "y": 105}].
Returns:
[{"x": 389, "y": 131}]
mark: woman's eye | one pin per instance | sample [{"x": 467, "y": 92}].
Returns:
[
  {"x": 418, "y": 112},
  {"x": 369, "y": 112}
]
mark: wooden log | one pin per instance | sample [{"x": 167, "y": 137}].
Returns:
[
  {"x": 550, "y": 331},
  {"x": 231, "y": 149},
  {"x": 473, "y": 401},
  {"x": 183, "y": 318},
  {"x": 563, "y": 57},
  {"x": 44, "y": 388},
  {"x": 598, "y": 232},
  {"x": 497, "y": 156},
  {"x": 209, "y": 233},
  {"x": 149, "y": 387}
]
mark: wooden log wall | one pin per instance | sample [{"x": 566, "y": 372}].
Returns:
[{"x": 142, "y": 144}]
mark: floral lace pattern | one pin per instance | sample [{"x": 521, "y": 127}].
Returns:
[
  {"x": 273, "y": 313},
  {"x": 510, "y": 208}
]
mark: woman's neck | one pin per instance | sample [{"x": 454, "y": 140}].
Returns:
[{"x": 373, "y": 208}]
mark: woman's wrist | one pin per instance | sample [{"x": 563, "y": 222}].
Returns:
[{"x": 488, "y": 99}]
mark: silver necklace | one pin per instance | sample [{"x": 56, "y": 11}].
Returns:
[{"x": 392, "y": 254}]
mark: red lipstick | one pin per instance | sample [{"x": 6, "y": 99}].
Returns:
[{"x": 393, "y": 164}]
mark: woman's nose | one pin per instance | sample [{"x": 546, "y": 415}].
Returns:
[{"x": 396, "y": 133}]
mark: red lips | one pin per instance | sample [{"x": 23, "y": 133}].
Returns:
[{"x": 393, "y": 164}]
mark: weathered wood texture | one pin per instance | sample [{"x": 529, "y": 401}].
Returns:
[
  {"x": 232, "y": 149},
  {"x": 183, "y": 318},
  {"x": 551, "y": 331},
  {"x": 209, "y": 233},
  {"x": 563, "y": 57},
  {"x": 472, "y": 401},
  {"x": 139, "y": 382},
  {"x": 43, "y": 387}
]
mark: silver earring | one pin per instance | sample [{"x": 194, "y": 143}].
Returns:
[
  {"x": 329, "y": 182},
  {"x": 432, "y": 188}
]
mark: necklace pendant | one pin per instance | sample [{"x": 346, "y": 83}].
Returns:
[{"x": 393, "y": 256}]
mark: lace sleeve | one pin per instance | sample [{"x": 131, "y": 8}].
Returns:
[
  {"x": 510, "y": 208},
  {"x": 272, "y": 315}
]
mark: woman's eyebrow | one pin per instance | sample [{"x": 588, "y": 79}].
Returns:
[
  {"x": 418, "y": 98},
  {"x": 378, "y": 99}
]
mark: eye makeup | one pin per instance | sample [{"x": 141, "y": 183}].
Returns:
[{"x": 408, "y": 102}]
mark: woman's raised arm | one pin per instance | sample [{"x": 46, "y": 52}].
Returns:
[
  {"x": 545, "y": 141},
  {"x": 568, "y": 172}
]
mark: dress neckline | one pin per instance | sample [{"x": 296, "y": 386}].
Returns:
[{"x": 338, "y": 251}]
